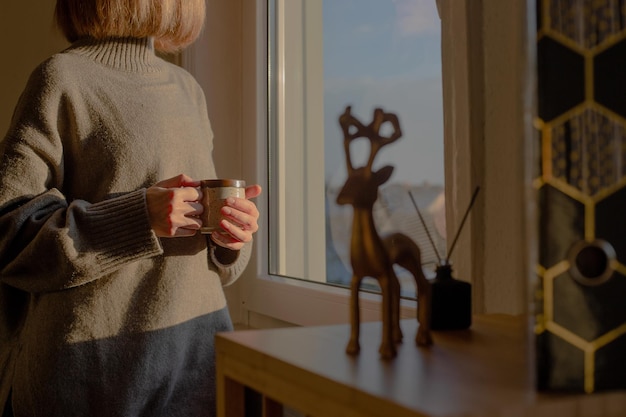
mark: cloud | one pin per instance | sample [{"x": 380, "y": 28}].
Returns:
[{"x": 416, "y": 17}]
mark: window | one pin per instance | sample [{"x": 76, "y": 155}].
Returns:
[
  {"x": 324, "y": 56},
  {"x": 483, "y": 48}
]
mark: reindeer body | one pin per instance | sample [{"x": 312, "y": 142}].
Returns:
[
  {"x": 370, "y": 258},
  {"x": 372, "y": 255}
]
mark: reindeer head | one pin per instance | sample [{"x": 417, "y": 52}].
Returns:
[{"x": 361, "y": 187}]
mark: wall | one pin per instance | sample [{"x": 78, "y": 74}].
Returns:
[
  {"x": 27, "y": 37},
  {"x": 220, "y": 73},
  {"x": 508, "y": 71},
  {"x": 486, "y": 87}
]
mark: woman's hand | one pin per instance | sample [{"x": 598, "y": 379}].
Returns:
[
  {"x": 239, "y": 222},
  {"x": 173, "y": 206}
]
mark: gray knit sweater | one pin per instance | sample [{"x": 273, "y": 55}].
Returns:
[{"x": 98, "y": 316}]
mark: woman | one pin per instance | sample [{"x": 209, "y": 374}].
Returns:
[{"x": 109, "y": 296}]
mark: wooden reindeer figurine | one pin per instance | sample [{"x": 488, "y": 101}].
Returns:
[{"x": 372, "y": 255}]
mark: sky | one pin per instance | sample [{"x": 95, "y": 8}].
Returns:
[{"x": 385, "y": 53}]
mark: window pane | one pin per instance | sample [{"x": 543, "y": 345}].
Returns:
[{"x": 368, "y": 54}]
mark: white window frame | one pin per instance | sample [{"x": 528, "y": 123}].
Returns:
[
  {"x": 488, "y": 109},
  {"x": 297, "y": 137}
]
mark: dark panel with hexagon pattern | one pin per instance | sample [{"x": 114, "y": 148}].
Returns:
[
  {"x": 561, "y": 78},
  {"x": 581, "y": 186}
]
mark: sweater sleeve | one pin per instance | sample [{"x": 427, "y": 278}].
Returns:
[
  {"x": 47, "y": 241},
  {"x": 228, "y": 264}
]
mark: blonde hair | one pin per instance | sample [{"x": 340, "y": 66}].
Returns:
[{"x": 174, "y": 24}]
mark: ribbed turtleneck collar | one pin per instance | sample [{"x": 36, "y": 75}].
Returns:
[{"x": 126, "y": 54}]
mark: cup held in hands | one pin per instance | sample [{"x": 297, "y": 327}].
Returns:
[{"x": 214, "y": 195}]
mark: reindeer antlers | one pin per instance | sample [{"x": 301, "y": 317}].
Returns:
[{"x": 371, "y": 132}]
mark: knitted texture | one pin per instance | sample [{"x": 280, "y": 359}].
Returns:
[{"x": 99, "y": 316}]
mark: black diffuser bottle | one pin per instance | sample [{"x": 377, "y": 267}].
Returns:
[{"x": 451, "y": 307}]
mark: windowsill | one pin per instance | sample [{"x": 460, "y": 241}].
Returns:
[{"x": 482, "y": 371}]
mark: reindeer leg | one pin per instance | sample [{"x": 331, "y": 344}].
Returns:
[
  {"x": 353, "y": 347},
  {"x": 395, "y": 310},
  {"x": 424, "y": 300},
  {"x": 387, "y": 348}
]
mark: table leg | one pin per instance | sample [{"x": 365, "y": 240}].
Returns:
[
  {"x": 272, "y": 408},
  {"x": 230, "y": 398}
]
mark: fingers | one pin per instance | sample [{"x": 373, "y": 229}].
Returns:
[
  {"x": 241, "y": 213},
  {"x": 226, "y": 240},
  {"x": 174, "y": 208},
  {"x": 253, "y": 191},
  {"x": 173, "y": 211},
  {"x": 188, "y": 194},
  {"x": 240, "y": 220}
]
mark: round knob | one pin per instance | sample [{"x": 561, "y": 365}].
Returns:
[{"x": 592, "y": 263}]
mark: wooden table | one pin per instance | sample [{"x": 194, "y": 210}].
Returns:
[{"x": 484, "y": 372}]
